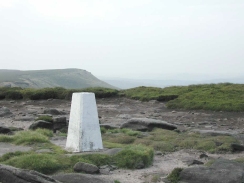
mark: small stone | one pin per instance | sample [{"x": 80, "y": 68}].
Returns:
[
  {"x": 159, "y": 153},
  {"x": 203, "y": 156},
  {"x": 194, "y": 162},
  {"x": 85, "y": 167},
  {"x": 237, "y": 147}
]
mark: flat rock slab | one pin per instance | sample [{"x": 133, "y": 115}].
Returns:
[
  {"x": 79, "y": 178},
  {"x": 11, "y": 174},
  {"x": 4, "y": 111},
  {"x": 221, "y": 171},
  {"x": 6, "y": 148},
  {"x": 147, "y": 124},
  {"x": 214, "y": 133}
]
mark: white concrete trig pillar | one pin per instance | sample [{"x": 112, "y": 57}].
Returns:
[{"x": 84, "y": 130}]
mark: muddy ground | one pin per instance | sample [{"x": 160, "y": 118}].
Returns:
[{"x": 116, "y": 111}]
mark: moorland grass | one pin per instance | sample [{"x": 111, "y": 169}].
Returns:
[
  {"x": 57, "y": 160},
  {"x": 124, "y": 131},
  {"x": 16, "y": 93},
  {"x": 44, "y": 163},
  {"x": 170, "y": 141},
  {"x": 135, "y": 149},
  {"x": 132, "y": 155},
  {"x": 150, "y": 93},
  {"x": 215, "y": 97},
  {"x": 25, "y": 138}
]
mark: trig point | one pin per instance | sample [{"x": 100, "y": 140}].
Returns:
[{"x": 84, "y": 130}]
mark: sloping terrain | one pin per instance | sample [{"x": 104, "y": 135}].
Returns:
[{"x": 67, "y": 78}]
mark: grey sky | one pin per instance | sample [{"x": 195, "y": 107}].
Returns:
[{"x": 124, "y": 38}]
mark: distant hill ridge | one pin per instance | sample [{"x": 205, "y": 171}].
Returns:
[{"x": 67, "y": 78}]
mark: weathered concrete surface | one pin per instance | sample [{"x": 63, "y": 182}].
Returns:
[{"x": 84, "y": 131}]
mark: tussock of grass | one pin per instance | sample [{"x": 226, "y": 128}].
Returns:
[
  {"x": 44, "y": 163},
  {"x": 44, "y": 132},
  {"x": 24, "y": 138},
  {"x": 130, "y": 156},
  {"x": 173, "y": 177},
  {"x": 29, "y": 137}
]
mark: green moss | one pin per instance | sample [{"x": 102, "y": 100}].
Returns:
[{"x": 173, "y": 177}]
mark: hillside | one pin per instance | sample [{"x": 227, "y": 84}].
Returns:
[{"x": 67, "y": 78}]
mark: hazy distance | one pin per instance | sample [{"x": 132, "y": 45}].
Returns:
[{"x": 138, "y": 39}]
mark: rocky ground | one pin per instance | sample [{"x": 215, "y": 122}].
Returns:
[{"x": 116, "y": 111}]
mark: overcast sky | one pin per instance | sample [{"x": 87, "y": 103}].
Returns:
[{"x": 124, "y": 38}]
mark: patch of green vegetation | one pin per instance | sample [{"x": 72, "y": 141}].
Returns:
[
  {"x": 123, "y": 130},
  {"x": 45, "y": 118},
  {"x": 49, "y": 163},
  {"x": 239, "y": 160},
  {"x": 116, "y": 181},
  {"x": 215, "y": 97},
  {"x": 119, "y": 138},
  {"x": 44, "y": 163},
  {"x": 131, "y": 156},
  {"x": 112, "y": 145},
  {"x": 173, "y": 177},
  {"x": 44, "y": 132},
  {"x": 55, "y": 93},
  {"x": 150, "y": 93},
  {"x": 96, "y": 159},
  {"x": 10, "y": 155},
  {"x": 14, "y": 93},
  {"x": 27, "y": 137},
  {"x": 209, "y": 163},
  {"x": 169, "y": 141},
  {"x": 103, "y": 130},
  {"x": 155, "y": 178}
]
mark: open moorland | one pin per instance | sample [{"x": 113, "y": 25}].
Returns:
[{"x": 181, "y": 133}]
